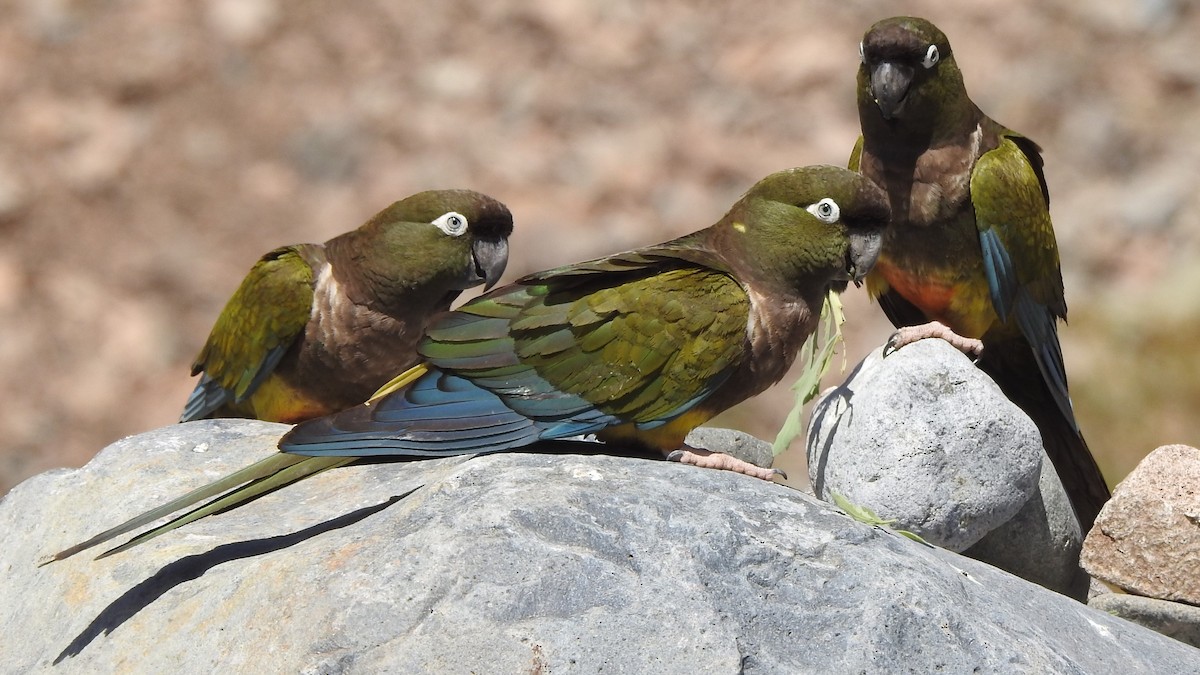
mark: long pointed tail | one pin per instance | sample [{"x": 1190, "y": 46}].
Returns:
[
  {"x": 1013, "y": 367},
  {"x": 273, "y": 472},
  {"x": 1076, "y": 468},
  {"x": 289, "y": 474}
]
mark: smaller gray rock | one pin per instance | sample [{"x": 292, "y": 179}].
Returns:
[
  {"x": 732, "y": 442},
  {"x": 1173, "y": 619},
  {"x": 926, "y": 438},
  {"x": 1041, "y": 543}
]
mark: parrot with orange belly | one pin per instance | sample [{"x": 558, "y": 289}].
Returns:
[
  {"x": 637, "y": 348},
  {"x": 314, "y": 329},
  {"x": 971, "y": 255}
]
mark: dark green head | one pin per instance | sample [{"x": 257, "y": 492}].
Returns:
[
  {"x": 806, "y": 229},
  {"x": 908, "y": 80},
  {"x": 433, "y": 243}
]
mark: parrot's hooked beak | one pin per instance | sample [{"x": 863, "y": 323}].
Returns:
[
  {"x": 890, "y": 83},
  {"x": 491, "y": 257},
  {"x": 861, "y": 255}
]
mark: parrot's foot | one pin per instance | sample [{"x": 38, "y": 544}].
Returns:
[
  {"x": 934, "y": 329},
  {"x": 719, "y": 460}
]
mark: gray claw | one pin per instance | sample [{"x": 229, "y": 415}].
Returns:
[{"x": 890, "y": 347}]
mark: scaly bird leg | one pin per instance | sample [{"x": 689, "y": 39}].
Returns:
[
  {"x": 719, "y": 460},
  {"x": 934, "y": 329}
]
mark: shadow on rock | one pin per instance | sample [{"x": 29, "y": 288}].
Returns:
[
  {"x": 837, "y": 401},
  {"x": 194, "y": 566}
]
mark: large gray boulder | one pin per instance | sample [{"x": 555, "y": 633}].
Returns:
[
  {"x": 924, "y": 437},
  {"x": 510, "y": 563}
]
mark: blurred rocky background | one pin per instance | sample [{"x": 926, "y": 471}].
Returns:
[{"x": 150, "y": 150}]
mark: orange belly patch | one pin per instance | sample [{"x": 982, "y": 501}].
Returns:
[
  {"x": 964, "y": 306},
  {"x": 929, "y": 296}
]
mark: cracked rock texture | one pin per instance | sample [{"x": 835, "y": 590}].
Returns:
[{"x": 510, "y": 563}]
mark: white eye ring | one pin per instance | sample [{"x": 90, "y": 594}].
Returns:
[
  {"x": 931, "y": 57},
  {"x": 862, "y": 55},
  {"x": 826, "y": 210},
  {"x": 452, "y": 223}
]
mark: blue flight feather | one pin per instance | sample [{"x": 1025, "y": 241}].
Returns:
[
  {"x": 1040, "y": 327},
  {"x": 206, "y": 398},
  {"x": 1001, "y": 277}
]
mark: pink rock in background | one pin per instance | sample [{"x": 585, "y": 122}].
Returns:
[{"x": 1147, "y": 539}]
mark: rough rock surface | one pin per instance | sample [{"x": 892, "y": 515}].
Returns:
[
  {"x": 924, "y": 437},
  {"x": 1041, "y": 543},
  {"x": 732, "y": 442},
  {"x": 1147, "y": 537},
  {"x": 921, "y": 437},
  {"x": 1173, "y": 619},
  {"x": 510, "y": 563}
]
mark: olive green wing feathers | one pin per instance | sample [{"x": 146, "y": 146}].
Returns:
[
  {"x": 258, "y": 324},
  {"x": 1020, "y": 254}
]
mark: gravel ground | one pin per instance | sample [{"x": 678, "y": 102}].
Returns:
[{"x": 150, "y": 150}]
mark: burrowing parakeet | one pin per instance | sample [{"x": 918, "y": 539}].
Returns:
[
  {"x": 971, "y": 245},
  {"x": 638, "y": 347},
  {"x": 314, "y": 329}
]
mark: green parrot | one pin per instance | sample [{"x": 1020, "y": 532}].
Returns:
[
  {"x": 315, "y": 329},
  {"x": 638, "y": 348},
  {"x": 971, "y": 255}
]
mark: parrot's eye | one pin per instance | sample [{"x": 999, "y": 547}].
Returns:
[
  {"x": 931, "y": 57},
  {"x": 826, "y": 210},
  {"x": 862, "y": 56},
  {"x": 452, "y": 223}
]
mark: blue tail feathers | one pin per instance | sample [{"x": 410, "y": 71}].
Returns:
[{"x": 442, "y": 414}]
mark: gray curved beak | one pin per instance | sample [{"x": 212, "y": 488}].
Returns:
[
  {"x": 491, "y": 257},
  {"x": 889, "y": 86},
  {"x": 863, "y": 252}
]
